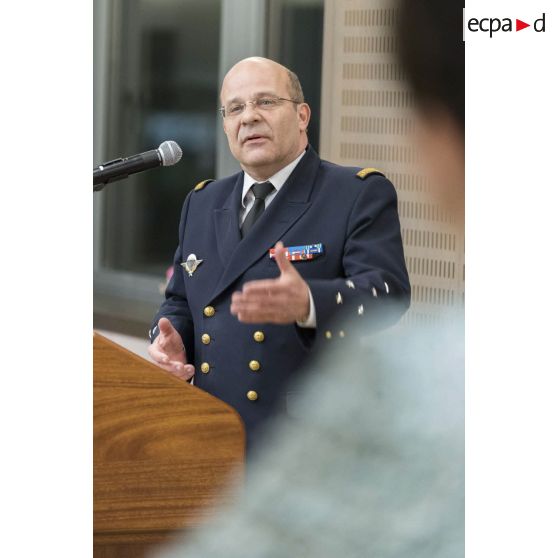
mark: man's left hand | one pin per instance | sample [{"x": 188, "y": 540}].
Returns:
[{"x": 280, "y": 301}]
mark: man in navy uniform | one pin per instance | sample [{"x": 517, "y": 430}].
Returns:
[{"x": 267, "y": 257}]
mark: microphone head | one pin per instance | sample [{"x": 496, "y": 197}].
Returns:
[{"x": 170, "y": 153}]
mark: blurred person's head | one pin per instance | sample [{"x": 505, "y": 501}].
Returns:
[
  {"x": 265, "y": 117},
  {"x": 432, "y": 52}
]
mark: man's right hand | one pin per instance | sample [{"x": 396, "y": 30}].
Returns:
[{"x": 169, "y": 353}]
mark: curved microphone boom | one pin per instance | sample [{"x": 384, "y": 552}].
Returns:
[{"x": 167, "y": 154}]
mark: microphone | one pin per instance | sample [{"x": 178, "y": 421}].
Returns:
[{"x": 167, "y": 154}]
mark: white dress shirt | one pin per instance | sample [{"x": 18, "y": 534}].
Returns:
[{"x": 278, "y": 180}]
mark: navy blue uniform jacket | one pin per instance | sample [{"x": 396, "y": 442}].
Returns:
[{"x": 357, "y": 223}]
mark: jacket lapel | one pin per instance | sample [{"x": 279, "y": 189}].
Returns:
[
  {"x": 227, "y": 227},
  {"x": 290, "y": 204}
]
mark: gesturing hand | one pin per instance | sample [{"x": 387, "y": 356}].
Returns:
[
  {"x": 280, "y": 301},
  {"x": 168, "y": 351}
]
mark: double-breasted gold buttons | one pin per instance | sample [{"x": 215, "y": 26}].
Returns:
[
  {"x": 204, "y": 367},
  {"x": 209, "y": 311},
  {"x": 259, "y": 336},
  {"x": 254, "y": 365},
  {"x": 206, "y": 339},
  {"x": 252, "y": 395}
]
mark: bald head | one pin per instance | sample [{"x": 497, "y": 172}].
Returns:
[
  {"x": 258, "y": 63},
  {"x": 269, "y": 130}
]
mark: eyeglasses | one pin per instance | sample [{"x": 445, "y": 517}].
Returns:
[{"x": 263, "y": 103}]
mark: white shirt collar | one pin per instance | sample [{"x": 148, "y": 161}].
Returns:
[{"x": 278, "y": 179}]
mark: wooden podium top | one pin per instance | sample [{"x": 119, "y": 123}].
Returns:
[{"x": 164, "y": 451}]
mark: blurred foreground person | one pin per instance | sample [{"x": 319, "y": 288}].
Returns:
[{"x": 373, "y": 463}]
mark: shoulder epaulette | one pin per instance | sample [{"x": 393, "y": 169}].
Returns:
[
  {"x": 201, "y": 185},
  {"x": 362, "y": 174}
]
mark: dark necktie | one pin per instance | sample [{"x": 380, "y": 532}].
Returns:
[{"x": 260, "y": 191}]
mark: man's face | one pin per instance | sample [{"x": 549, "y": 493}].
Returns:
[{"x": 263, "y": 141}]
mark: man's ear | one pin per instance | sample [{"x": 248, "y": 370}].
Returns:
[{"x": 304, "y": 113}]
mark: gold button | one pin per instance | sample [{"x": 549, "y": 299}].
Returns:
[
  {"x": 259, "y": 336},
  {"x": 252, "y": 395},
  {"x": 206, "y": 339},
  {"x": 209, "y": 311},
  {"x": 204, "y": 367},
  {"x": 254, "y": 365},
  {"x": 328, "y": 334},
  {"x": 341, "y": 334}
]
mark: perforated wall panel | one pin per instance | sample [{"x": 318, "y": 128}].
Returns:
[{"x": 367, "y": 119}]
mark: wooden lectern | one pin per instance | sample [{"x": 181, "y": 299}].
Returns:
[{"x": 165, "y": 453}]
